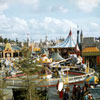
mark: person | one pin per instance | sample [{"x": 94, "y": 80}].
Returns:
[
  {"x": 66, "y": 95},
  {"x": 78, "y": 92},
  {"x": 86, "y": 85},
  {"x": 68, "y": 89},
  {"x": 74, "y": 91},
  {"x": 86, "y": 97},
  {"x": 61, "y": 94},
  {"x": 57, "y": 85},
  {"x": 81, "y": 94}
]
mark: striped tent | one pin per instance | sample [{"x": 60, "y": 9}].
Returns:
[{"x": 67, "y": 43}]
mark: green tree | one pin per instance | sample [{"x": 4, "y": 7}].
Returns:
[
  {"x": 2, "y": 87},
  {"x": 1, "y": 39},
  {"x": 5, "y": 40},
  {"x": 31, "y": 68}
]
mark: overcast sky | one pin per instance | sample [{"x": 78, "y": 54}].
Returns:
[{"x": 52, "y": 18}]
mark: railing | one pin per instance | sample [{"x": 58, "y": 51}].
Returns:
[
  {"x": 70, "y": 79},
  {"x": 51, "y": 81}
]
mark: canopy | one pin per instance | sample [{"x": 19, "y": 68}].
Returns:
[
  {"x": 92, "y": 79},
  {"x": 68, "y": 42},
  {"x": 44, "y": 59},
  {"x": 56, "y": 56},
  {"x": 36, "y": 49}
]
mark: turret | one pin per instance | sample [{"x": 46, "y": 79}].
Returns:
[
  {"x": 81, "y": 37},
  {"x": 81, "y": 42},
  {"x": 78, "y": 36}
]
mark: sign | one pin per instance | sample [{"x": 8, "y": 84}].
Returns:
[{"x": 60, "y": 86}]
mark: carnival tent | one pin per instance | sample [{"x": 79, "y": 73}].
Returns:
[{"x": 67, "y": 43}]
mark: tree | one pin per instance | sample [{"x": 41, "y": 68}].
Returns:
[
  {"x": 30, "y": 68},
  {"x": 2, "y": 86},
  {"x": 5, "y": 40},
  {"x": 1, "y": 39}
]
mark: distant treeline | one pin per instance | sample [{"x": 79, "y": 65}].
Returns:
[{"x": 5, "y": 40}]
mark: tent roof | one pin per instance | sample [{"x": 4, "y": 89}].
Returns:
[
  {"x": 16, "y": 47},
  {"x": 2, "y": 48},
  {"x": 56, "y": 57},
  {"x": 68, "y": 42}
]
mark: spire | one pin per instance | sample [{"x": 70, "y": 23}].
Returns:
[
  {"x": 81, "y": 37},
  {"x": 77, "y": 35}
]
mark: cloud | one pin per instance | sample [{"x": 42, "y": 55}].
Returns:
[
  {"x": 17, "y": 28},
  {"x": 87, "y": 5},
  {"x": 94, "y": 24},
  {"x": 58, "y": 9},
  {"x": 3, "y": 5},
  {"x": 34, "y": 3},
  {"x": 52, "y": 25},
  {"x": 11, "y": 27}
]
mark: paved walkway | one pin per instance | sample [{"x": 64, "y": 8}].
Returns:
[
  {"x": 53, "y": 94},
  {"x": 52, "y": 91}
]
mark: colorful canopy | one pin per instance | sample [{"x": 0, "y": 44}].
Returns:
[
  {"x": 36, "y": 49},
  {"x": 68, "y": 42},
  {"x": 90, "y": 49},
  {"x": 44, "y": 59},
  {"x": 92, "y": 79}
]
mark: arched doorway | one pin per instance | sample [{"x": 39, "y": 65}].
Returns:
[{"x": 7, "y": 55}]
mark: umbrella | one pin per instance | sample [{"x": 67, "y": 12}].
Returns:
[{"x": 92, "y": 79}]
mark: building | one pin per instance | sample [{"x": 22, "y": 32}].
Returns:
[
  {"x": 90, "y": 50},
  {"x": 91, "y": 54},
  {"x": 9, "y": 50}
]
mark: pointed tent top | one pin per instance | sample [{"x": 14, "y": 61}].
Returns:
[
  {"x": 68, "y": 42},
  {"x": 70, "y": 33}
]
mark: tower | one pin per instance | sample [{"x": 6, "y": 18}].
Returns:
[
  {"x": 28, "y": 40},
  {"x": 78, "y": 36},
  {"x": 81, "y": 42},
  {"x": 81, "y": 37},
  {"x": 46, "y": 38}
]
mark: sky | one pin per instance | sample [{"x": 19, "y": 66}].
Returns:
[{"x": 52, "y": 18}]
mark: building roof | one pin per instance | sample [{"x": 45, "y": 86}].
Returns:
[
  {"x": 16, "y": 48},
  {"x": 2, "y": 48},
  {"x": 90, "y": 49},
  {"x": 68, "y": 42}
]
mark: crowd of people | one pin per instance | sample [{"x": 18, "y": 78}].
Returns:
[{"x": 76, "y": 93}]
